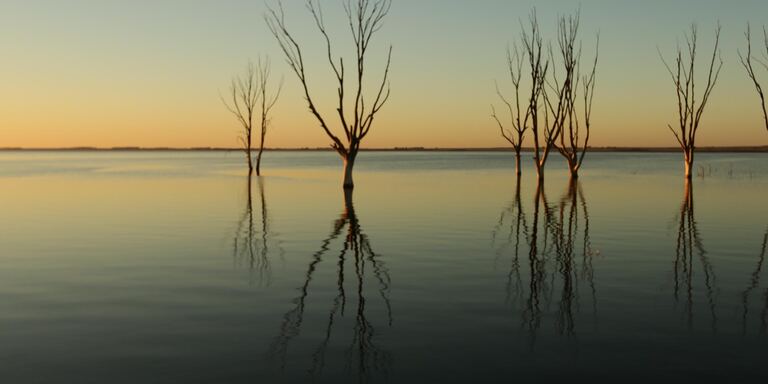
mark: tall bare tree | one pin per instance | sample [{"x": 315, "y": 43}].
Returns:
[
  {"x": 689, "y": 109},
  {"x": 570, "y": 96},
  {"x": 538, "y": 65},
  {"x": 747, "y": 60},
  {"x": 365, "y": 18},
  {"x": 248, "y": 95}
]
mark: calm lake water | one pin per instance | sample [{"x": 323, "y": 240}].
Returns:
[{"x": 170, "y": 267}]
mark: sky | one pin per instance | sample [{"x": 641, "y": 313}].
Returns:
[{"x": 149, "y": 73}]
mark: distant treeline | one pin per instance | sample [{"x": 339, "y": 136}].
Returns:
[{"x": 753, "y": 149}]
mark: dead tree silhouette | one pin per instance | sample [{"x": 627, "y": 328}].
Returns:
[
  {"x": 747, "y": 61},
  {"x": 570, "y": 102},
  {"x": 363, "y": 356},
  {"x": 524, "y": 115},
  {"x": 690, "y": 110},
  {"x": 365, "y": 18},
  {"x": 249, "y": 92}
]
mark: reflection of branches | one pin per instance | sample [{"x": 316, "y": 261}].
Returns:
[
  {"x": 248, "y": 244},
  {"x": 754, "y": 283},
  {"x": 362, "y": 354},
  {"x": 689, "y": 244},
  {"x": 518, "y": 224},
  {"x": 552, "y": 235}
]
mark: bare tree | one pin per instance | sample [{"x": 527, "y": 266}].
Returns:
[
  {"x": 518, "y": 118},
  {"x": 249, "y": 92},
  {"x": 746, "y": 61},
  {"x": 572, "y": 121},
  {"x": 690, "y": 110},
  {"x": 538, "y": 65},
  {"x": 268, "y": 101},
  {"x": 365, "y": 18}
]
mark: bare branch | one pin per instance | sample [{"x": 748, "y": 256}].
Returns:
[{"x": 746, "y": 62}]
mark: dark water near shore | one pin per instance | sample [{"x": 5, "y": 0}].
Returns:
[{"x": 170, "y": 267}]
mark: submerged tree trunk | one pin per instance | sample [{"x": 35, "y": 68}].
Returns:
[
  {"x": 349, "y": 164},
  {"x": 258, "y": 157},
  {"x": 518, "y": 169},
  {"x": 573, "y": 167},
  {"x": 688, "y": 162},
  {"x": 250, "y": 161}
]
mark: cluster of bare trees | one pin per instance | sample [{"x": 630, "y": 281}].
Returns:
[
  {"x": 552, "y": 97},
  {"x": 557, "y": 106},
  {"x": 552, "y": 93}
]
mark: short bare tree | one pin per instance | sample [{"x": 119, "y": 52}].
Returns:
[
  {"x": 689, "y": 109},
  {"x": 570, "y": 96},
  {"x": 747, "y": 62},
  {"x": 249, "y": 94},
  {"x": 519, "y": 119},
  {"x": 365, "y": 18}
]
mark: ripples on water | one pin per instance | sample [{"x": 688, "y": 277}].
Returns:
[{"x": 174, "y": 267}]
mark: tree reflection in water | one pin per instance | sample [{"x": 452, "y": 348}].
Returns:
[
  {"x": 363, "y": 357},
  {"x": 252, "y": 241},
  {"x": 753, "y": 284},
  {"x": 560, "y": 257},
  {"x": 690, "y": 247}
]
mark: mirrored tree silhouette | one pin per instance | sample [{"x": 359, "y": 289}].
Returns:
[
  {"x": 754, "y": 283},
  {"x": 688, "y": 253},
  {"x": 358, "y": 269},
  {"x": 559, "y": 259},
  {"x": 252, "y": 240}
]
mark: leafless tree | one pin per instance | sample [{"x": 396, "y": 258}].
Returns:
[
  {"x": 365, "y": 18},
  {"x": 570, "y": 97},
  {"x": 538, "y": 65},
  {"x": 519, "y": 119},
  {"x": 689, "y": 109},
  {"x": 249, "y": 94},
  {"x": 746, "y": 61}
]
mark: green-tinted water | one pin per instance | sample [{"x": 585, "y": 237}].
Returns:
[{"x": 152, "y": 267}]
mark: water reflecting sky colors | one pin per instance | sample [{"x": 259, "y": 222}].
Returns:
[{"x": 172, "y": 267}]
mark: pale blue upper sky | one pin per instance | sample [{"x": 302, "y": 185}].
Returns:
[{"x": 149, "y": 73}]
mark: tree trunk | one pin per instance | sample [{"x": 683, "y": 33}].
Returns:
[
  {"x": 349, "y": 164},
  {"x": 250, "y": 162},
  {"x": 348, "y": 207},
  {"x": 688, "y": 160},
  {"x": 540, "y": 172},
  {"x": 518, "y": 170},
  {"x": 574, "y": 168},
  {"x": 258, "y": 157}
]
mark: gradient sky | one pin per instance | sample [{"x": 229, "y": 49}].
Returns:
[{"x": 149, "y": 72}]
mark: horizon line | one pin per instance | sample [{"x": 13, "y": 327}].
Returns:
[{"x": 744, "y": 148}]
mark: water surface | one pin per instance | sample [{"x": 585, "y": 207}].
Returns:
[{"x": 158, "y": 267}]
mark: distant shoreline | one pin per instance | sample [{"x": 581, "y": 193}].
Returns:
[{"x": 736, "y": 149}]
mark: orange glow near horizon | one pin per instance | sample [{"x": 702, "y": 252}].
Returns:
[{"x": 137, "y": 75}]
